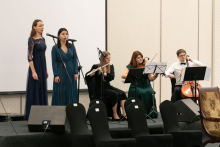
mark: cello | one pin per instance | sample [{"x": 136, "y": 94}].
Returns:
[{"x": 188, "y": 88}]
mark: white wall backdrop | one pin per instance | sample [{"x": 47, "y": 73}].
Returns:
[
  {"x": 216, "y": 43},
  {"x": 205, "y": 36},
  {"x": 84, "y": 20},
  {"x": 133, "y": 26},
  {"x": 179, "y": 31},
  {"x": 163, "y": 27}
]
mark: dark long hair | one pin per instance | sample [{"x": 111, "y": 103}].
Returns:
[
  {"x": 68, "y": 45},
  {"x": 133, "y": 62},
  {"x": 33, "y": 32}
]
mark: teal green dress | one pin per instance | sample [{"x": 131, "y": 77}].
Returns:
[
  {"x": 144, "y": 93},
  {"x": 70, "y": 93}
]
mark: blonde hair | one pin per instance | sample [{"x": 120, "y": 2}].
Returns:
[{"x": 106, "y": 53}]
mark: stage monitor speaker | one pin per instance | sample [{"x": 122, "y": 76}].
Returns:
[
  {"x": 56, "y": 115},
  {"x": 187, "y": 110}
]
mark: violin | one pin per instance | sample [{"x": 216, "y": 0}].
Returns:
[
  {"x": 142, "y": 65},
  {"x": 188, "y": 88}
]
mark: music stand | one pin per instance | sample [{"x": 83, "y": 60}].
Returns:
[
  {"x": 194, "y": 74},
  {"x": 153, "y": 67},
  {"x": 134, "y": 76}
]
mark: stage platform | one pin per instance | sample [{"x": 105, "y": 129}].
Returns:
[{"x": 8, "y": 138}]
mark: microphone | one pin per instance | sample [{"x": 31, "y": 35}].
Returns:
[
  {"x": 187, "y": 57},
  {"x": 72, "y": 40},
  {"x": 52, "y": 36},
  {"x": 101, "y": 52}
]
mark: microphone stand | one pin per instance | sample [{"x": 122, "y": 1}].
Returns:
[
  {"x": 79, "y": 68},
  {"x": 102, "y": 77},
  {"x": 63, "y": 66}
]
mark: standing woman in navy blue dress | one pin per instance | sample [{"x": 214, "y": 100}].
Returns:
[
  {"x": 36, "y": 92},
  {"x": 68, "y": 54}
]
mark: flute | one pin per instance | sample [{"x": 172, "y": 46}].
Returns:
[{"x": 98, "y": 69}]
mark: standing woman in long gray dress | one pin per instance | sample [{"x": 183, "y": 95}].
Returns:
[
  {"x": 36, "y": 92},
  {"x": 64, "y": 92}
]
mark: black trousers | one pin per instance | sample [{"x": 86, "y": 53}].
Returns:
[{"x": 177, "y": 91}]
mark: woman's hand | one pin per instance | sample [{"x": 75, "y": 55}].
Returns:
[
  {"x": 125, "y": 73},
  {"x": 47, "y": 74},
  {"x": 155, "y": 76},
  {"x": 57, "y": 79},
  {"x": 100, "y": 69},
  {"x": 92, "y": 73},
  {"x": 171, "y": 76},
  {"x": 34, "y": 75},
  {"x": 152, "y": 77},
  {"x": 75, "y": 77}
]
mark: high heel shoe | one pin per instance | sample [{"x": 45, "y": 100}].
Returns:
[
  {"x": 113, "y": 119},
  {"x": 123, "y": 118}
]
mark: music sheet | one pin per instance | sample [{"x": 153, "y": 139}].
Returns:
[{"x": 155, "y": 67}]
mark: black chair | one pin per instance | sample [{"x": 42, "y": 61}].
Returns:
[
  {"x": 125, "y": 132},
  {"x": 100, "y": 129},
  {"x": 128, "y": 102},
  {"x": 115, "y": 132},
  {"x": 181, "y": 138},
  {"x": 81, "y": 136},
  {"x": 153, "y": 130},
  {"x": 137, "y": 118},
  {"x": 132, "y": 100},
  {"x": 96, "y": 102}
]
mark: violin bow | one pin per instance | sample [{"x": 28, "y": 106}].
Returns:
[
  {"x": 153, "y": 58},
  {"x": 163, "y": 74}
]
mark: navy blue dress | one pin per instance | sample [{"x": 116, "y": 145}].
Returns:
[
  {"x": 36, "y": 92},
  {"x": 70, "y": 93}
]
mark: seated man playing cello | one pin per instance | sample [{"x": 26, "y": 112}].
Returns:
[{"x": 175, "y": 70}]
